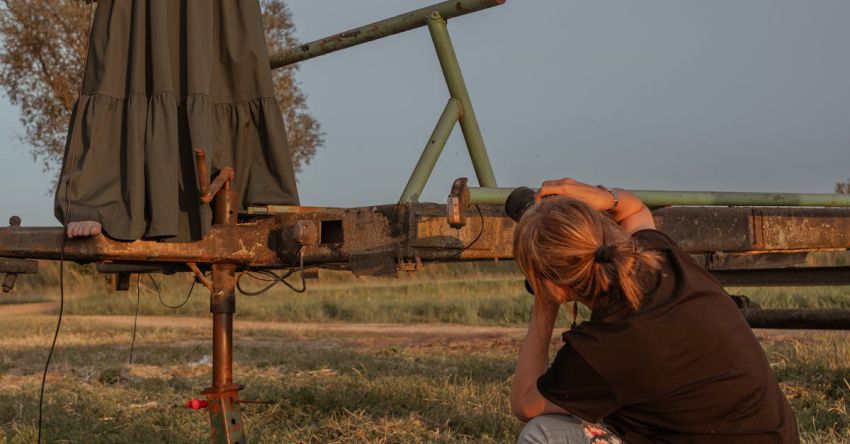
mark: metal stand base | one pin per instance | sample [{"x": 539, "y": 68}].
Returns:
[{"x": 225, "y": 416}]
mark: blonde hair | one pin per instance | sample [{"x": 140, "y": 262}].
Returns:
[{"x": 576, "y": 247}]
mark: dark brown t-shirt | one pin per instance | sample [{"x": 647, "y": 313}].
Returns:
[{"x": 685, "y": 367}]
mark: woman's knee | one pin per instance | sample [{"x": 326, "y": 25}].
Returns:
[{"x": 552, "y": 429}]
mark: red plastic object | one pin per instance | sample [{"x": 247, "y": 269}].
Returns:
[{"x": 196, "y": 404}]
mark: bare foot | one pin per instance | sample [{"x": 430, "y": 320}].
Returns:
[{"x": 84, "y": 229}]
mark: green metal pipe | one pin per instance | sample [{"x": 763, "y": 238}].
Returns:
[
  {"x": 384, "y": 28},
  {"x": 457, "y": 89},
  {"x": 431, "y": 153},
  {"x": 654, "y": 198}
]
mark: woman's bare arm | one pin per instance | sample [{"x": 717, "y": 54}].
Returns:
[
  {"x": 629, "y": 212},
  {"x": 526, "y": 400}
]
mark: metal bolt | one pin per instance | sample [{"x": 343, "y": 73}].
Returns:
[{"x": 9, "y": 282}]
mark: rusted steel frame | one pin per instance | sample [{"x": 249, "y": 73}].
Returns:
[
  {"x": 222, "y": 350},
  {"x": 407, "y": 232},
  {"x": 431, "y": 153},
  {"x": 657, "y": 199},
  {"x": 420, "y": 231},
  {"x": 139, "y": 267},
  {"x": 199, "y": 276},
  {"x": 384, "y": 28},
  {"x": 225, "y": 415},
  {"x": 223, "y": 396},
  {"x": 18, "y": 266},
  {"x": 742, "y": 229},
  {"x": 121, "y": 281},
  {"x": 457, "y": 88},
  {"x": 209, "y": 190},
  {"x": 777, "y": 277},
  {"x": 798, "y": 319},
  {"x": 243, "y": 244},
  {"x": 13, "y": 267}
]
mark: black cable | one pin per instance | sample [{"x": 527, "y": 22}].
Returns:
[
  {"x": 469, "y": 245},
  {"x": 136, "y": 316},
  {"x": 159, "y": 295},
  {"x": 61, "y": 306},
  {"x": 61, "y": 261},
  {"x": 274, "y": 279}
]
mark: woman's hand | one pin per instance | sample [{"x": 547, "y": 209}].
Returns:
[
  {"x": 629, "y": 212},
  {"x": 594, "y": 196}
]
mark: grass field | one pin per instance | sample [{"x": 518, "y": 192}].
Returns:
[{"x": 336, "y": 371}]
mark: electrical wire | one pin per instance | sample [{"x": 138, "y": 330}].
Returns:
[
  {"x": 136, "y": 315},
  {"x": 62, "y": 257},
  {"x": 159, "y": 294},
  {"x": 469, "y": 245},
  {"x": 274, "y": 279},
  {"x": 139, "y": 298},
  {"x": 61, "y": 308}
]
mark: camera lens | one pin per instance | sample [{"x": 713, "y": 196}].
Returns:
[{"x": 518, "y": 201}]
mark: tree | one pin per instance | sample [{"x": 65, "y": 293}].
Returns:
[
  {"x": 843, "y": 187},
  {"x": 304, "y": 132},
  {"x": 41, "y": 70}
]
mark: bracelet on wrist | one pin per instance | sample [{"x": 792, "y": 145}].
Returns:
[{"x": 613, "y": 193}]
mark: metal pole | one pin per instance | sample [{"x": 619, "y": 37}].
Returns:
[
  {"x": 223, "y": 396},
  {"x": 457, "y": 88},
  {"x": 384, "y": 28},
  {"x": 798, "y": 319},
  {"x": 431, "y": 153},
  {"x": 653, "y": 198},
  {"x": 223, "y": 304}
]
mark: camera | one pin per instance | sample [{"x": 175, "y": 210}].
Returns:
[{"x": 518, "y": 202}]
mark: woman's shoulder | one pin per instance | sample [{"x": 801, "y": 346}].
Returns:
[{"x": 653, "y": 239}]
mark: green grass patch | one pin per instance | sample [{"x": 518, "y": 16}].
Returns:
[
  {"x": 428, "y": 385},
  {"x": 466, "y": 293}
]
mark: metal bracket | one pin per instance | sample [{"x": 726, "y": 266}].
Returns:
[{"x": 14, "y": 267}]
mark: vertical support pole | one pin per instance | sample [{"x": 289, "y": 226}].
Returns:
[
  {"x": 457, "y": 88},
  {"x": 431, "y": 153},
  {"x": 223, "y": 396}
]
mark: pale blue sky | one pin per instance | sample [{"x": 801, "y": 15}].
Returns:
[{"x": 750, "y": 95}]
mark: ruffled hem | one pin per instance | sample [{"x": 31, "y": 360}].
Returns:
[{"x": 131, "y": 165}]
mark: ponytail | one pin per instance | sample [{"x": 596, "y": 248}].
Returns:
[{"x": 574, "y": 246}]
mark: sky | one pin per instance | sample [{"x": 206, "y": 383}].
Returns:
[{"x": 744, "y": 95}]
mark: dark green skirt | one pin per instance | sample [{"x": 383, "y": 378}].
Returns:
[{"x": 165, "y": 77}]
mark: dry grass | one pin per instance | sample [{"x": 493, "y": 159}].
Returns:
[
  {"x": 422, "y": 383},
  {"x": 335, "y": 380}
]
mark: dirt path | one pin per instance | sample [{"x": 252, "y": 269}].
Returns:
[
  {"x": 27, "y": 309},
  {"x": 204, "y": 323}
]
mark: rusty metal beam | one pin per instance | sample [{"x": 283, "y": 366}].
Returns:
[
  {"x": 798, "y": 319},
  {"x": 778, "y": 277},
  {"x": 387, "y": 235},
  {"x": 710, "y": 229},
  {"x": 18, "y": 266},
  {"x": 658, "y": 199},
  {"x": 243, "y": 244}
]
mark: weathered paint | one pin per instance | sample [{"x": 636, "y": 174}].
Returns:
[
  {"x": 457, "y": 88},
  {"x": 384, "y": 28},
  {"x": 657, "y": 199},
  {"x": 411, "y": 231}
]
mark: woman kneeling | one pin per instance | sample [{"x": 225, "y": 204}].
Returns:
[{"x": 665, "y": 357}]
